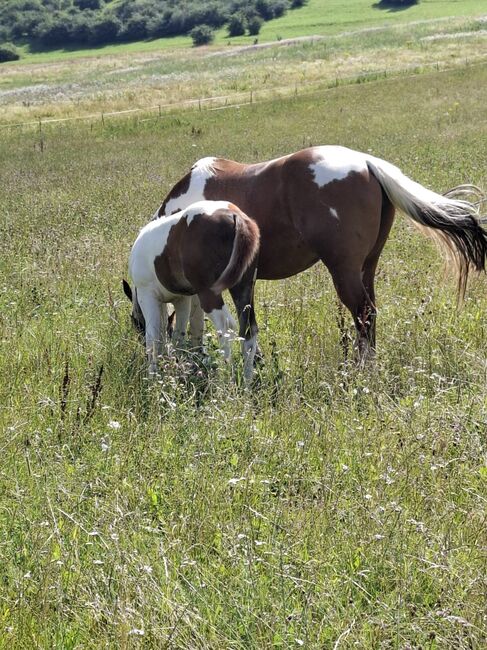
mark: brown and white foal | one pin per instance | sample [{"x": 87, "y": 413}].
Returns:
[{"x": 201, "y": 251}]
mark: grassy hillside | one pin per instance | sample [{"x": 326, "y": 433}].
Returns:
[
  {"x": 326, "y": 508},
  {"x": 322, "y": 17},
  {"x": 334, "y": 16},
  {"x": 88, "y": 86}
]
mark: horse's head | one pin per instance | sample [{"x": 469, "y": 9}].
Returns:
[{"x": 137, "y": 316}]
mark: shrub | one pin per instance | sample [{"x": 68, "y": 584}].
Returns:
[
  {"x": 54, "y": 30},
  {"x": 105, "y": 30},
  {"x": 135, "y": 29},
  {"x": 87, "y": 4},
  {"x": 8, "y": 52},
  {"x": 279, "y": 8},
  {"x": 237, "y": 25},
  {"x": 82, "y": 27},
  {"x": 396, "y": 3},
  {"x": 269, "y": 9},
  {"x": 202, "y": 35},
  {"x": 254, "y": 23}
]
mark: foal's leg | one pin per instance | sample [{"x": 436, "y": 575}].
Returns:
[
  {"x": 196, "y": 323},
  {"x": 151, "y": 309},
  {"x": 243, "y": 297},
  {"x": 221, "y": 318},
  {"x": 352, "y": 292},
  {"x": 182, "y": 305}
]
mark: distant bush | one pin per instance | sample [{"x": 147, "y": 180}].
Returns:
[
  {"x": 60, "y": 23},
  {"x": 254, "y": 23},
  {"x": 279, "y": 8},
  {"x": 237, "y": 24},
  {"x": 105, "y": 30},
  {"x": 202, "y": 35},
  {"x": 54, "y": 30},
  {"x": 8, "y": 52},
  {"x": 82, "y": 27},
  {"x": 88, "y": 4},
  {"x": 135, "y": 29}
]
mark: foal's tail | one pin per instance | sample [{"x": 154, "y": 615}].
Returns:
[
  {"x": 245, "y": 247},
  {"x": 453, "y": 224}
]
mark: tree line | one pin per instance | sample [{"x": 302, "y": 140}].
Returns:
[{"x": 48, "y": 24}]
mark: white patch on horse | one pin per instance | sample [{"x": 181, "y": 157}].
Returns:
[
  {"x": 334, "y": 213},
  {"x": 333, "y": 163},
  {"x": 150, "y": 243},
  {"x": 204, "y": 207},
  {"x": 200, "y": 173}
]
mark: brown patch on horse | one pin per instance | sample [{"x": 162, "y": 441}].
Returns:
[
  {"x": 245, "y": 247},
  {"x": 348, "y": 222},
  {"x": 208, "y": 246},
  {"x": 169, "y": 265},
  {"x": 210, "y": 301},
  {"x": 258, "y": 191}
]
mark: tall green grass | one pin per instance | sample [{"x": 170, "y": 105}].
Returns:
[{"x": 328, "y": 507}]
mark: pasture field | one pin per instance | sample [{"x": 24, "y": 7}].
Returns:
[
  {"x": 354, "y": 42},
  {"x": 326, "y": 508}
]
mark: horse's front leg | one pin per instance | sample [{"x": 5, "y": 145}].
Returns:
[{"x": 151, "y": 310}]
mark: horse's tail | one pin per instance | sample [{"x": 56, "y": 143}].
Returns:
[
  {"x": 245, "y": 247},
  {"x": 453, "y": 224}
]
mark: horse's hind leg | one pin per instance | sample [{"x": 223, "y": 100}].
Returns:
[
  {"x": 343, "y": 329},
  {"x": 243, "y": 297},
  {"x": 370, "y": 265},
  {"x": 353, "y": 294}
]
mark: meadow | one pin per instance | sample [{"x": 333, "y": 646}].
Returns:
[
  {"x": 346, "y": 42},
  {"x": 328, "y": 507}
]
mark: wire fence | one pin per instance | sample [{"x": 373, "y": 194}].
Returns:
[{"x": 244, "y": 98}]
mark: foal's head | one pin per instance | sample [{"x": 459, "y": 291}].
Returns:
[{"x": 138, "y": 320}]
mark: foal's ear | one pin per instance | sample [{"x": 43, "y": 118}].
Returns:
[{"x": 127, "y": 290}]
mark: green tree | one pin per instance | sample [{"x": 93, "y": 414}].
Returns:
[
  {"x": 202, "y": 35},
  {"x": 8, "y": 52},
  {"x": 254, "y": 23},
  {"x": 237, "y": 24}
]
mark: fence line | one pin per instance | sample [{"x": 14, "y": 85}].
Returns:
[{"x": 252, "y": 96}]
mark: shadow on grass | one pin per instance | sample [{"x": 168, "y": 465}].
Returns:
[{"x": 394, "y": 5}]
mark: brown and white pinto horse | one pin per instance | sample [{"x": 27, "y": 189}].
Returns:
[
  {"x": 200, "y": 251},
  {"x": 332, "y": 204}
]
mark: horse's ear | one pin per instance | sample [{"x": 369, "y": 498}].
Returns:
[{"x": 127, "y": 290}]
